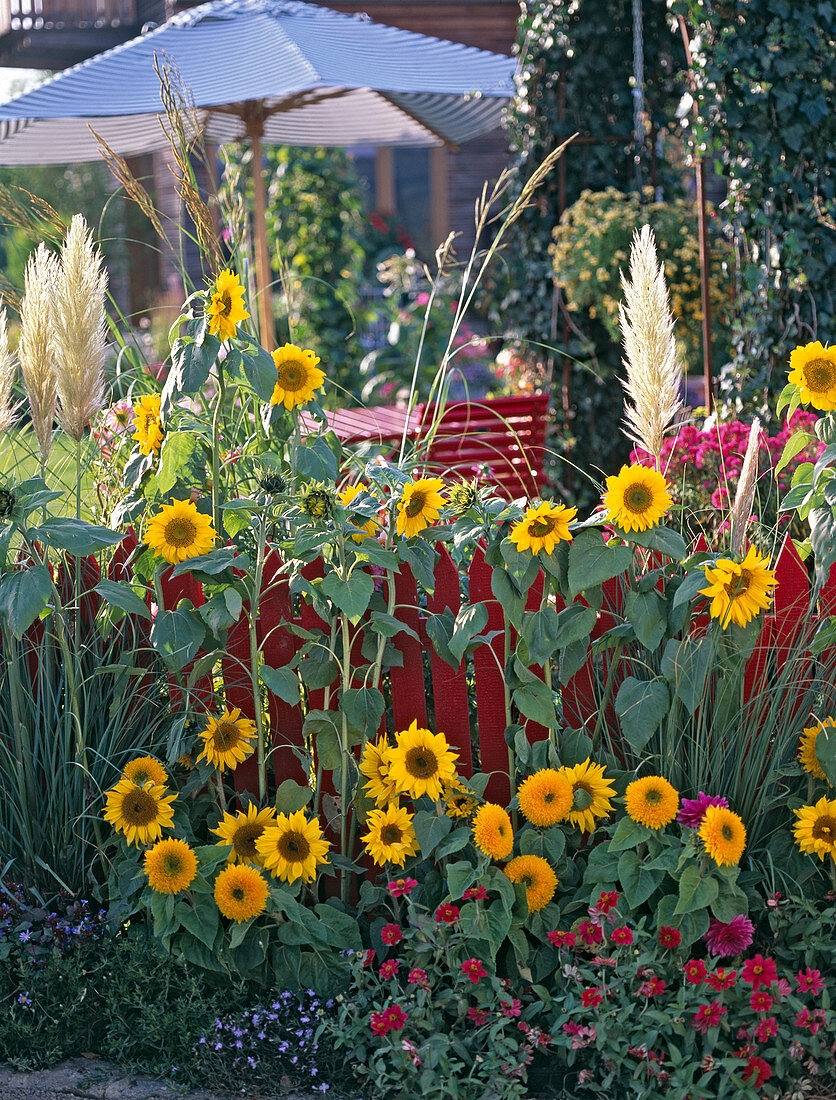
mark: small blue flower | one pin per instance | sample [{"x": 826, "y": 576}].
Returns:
[{"x": 24, "y": 999}]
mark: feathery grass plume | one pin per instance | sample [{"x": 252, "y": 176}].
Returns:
[
  {"x": 8, "y": 408},
  {"x": 654, "y": 373},
  {"x": 79, "y": 328},
  {"x": 745, "y": 495},
  {"x": 36, "y": 347}
]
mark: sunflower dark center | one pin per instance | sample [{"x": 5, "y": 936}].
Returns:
[
  {"x": 226, "y": 736},
  {"x": 292, "y": 375},
  {"x": 825, "y": 829},
  {"x": 820, "y": 375},
  {"x": 139, "y": 808},
  {"x": 653, "y": 796},
  {"x": 527, "y": 881},
  {"x": 548, "y": 797},
  {"x": 141, "y": 777},
  {"x": 391, "y": 834},
  {"x": 638, "y": 498},
  {"x": 225, "y": 301},
  {"x": 294, "y": 847},
  {"x": 728, "y": 832},
  {"x": 421, "y": 763},
  {"x": 416, "y": 504},
  {"x": 244, "y": 838},
  {"x": 180, "y": 532},
  {"x": 238, "y": 893},
  {"x": 542, "y": 526},
  {"x": 172, "y": 865},
  {"x": 739, "y": 586}
]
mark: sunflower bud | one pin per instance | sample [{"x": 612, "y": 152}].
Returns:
[
  {"x": 461, "y": 498},
  {"x": 7, "y": 502},
  {"x": 271, "y": 481},
  {"x": 317, "y": 503}
]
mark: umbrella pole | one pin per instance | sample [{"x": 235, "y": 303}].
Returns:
[{"x": 266, "y": 324}]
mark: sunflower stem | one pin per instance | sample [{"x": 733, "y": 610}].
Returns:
[
  {"x": 346, "y": 684},
  {"x": 547, "y": 666},
  {"x": 216, "y": 458},
  {"x": 219, "y": 783},
  {"x": 254, "y": 651},
  {"x": 512, "y": 758}
]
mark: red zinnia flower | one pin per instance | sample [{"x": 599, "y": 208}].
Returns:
[
  {"x": 562, "y": 939},
  {"x": 653, "y": 987},
  {"x": 447, "y": 913},
  {"x": 759, "y": 971},
  {"x": 669, "y": 937},
  {"x": 391, "y": 1019},
  {"x": 389, "y": 969},
  {"x": 390, "y": 934},
  {"x": 401, "y": 886},
  {"x": 708, "y": 1016},
  {"x": 369, "y": 957},
  {"x": 766, "y": 1029},
  {"x": 590, "y": 933},
  {"x": 510, "y": 1008},
  {"x": 592, "y": 997},
  {"x": 695, "y": 971},
  {"x": 477, "y": 1015},
  {"x": 608, "y": 900},
  {"x": 758, "y": 1071},
  {"x": 722, "y": 979},
  {"x": 475, "y": 893},
  {"x": 809, "y": 981},
  {"x": 622, "y": 935},
  {"x": 473, "y": 969},
  {"x": 417, "y": 976},
  {"x": 760, "y": 1002}
]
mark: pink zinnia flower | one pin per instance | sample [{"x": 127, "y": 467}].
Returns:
[
  {"x": 590, "y": 933},
  {"x": 418, "y": 977},
  {"x": 692, "y": 810},
  {"x": 477, "y": 1015},
  {"x": 766, "y": 1029},
  {"x": 809, "y": 981},
  {"x": 607, "y": 901},
  {"x": 390, "y": 934},
  {"x": 510, "y": 1008},
  {"x": 401, "y": 886},
  {"x": 729, "y": 939},
  {"x": 760, "y": 1001},
  {"x": 759, "y": 971},
  {"x": 389, "y": 969},
  {"x": 473, "y": 969}
]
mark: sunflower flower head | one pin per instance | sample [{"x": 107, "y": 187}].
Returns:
[
  {"x": 538, "y": 878},
  {"x": 363, "y": 528},
  {"x": 815, "y": 830},
  {"x": 141, "y": 813},
  {"x": 592, "y": 793},
  {"x": 292, "y": 847},
  {"x": 462, "y": 497},
  {"x": 739, "y": 590},
  {"x": 143, "y": 768},
  {"x": 813, "y": 370},
  {"x": 545, "y": 797},
  {"x": 170, "y": 865},
  {"x": 179, "y": 532},
  {"x": 148, "y": 423},
  {"x": 420, "y": 505},
  {"x": 316, "y": 502},
  {"x": 493, "y": 833},
  {"x": 241, "y": 830},
  {"x": 241, "y": 892},
  {"x": 724, "y": 835},
  {"x": 637, "y": 498},
  {"x": 227, "y": 740},
  {"x": 807, "y": 748},
  {"x": 421, "y": 762},
  {"x": 458, "y": 801},
  {"x": 374, "y": 765},
  {"x": 652, "y": 801},
  {"x": 391, "y": 836},
  {"x": 297, "y": 376},
  {"x": 543, "y": 527},
  {"x": 225, "y": 308}
]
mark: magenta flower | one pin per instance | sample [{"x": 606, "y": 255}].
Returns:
[
  {"x": 729, "y": 939},
  {"x": 693, "y": 809}
]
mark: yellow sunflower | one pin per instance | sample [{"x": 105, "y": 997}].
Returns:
[
  {"x": 815, "y": 830},
  {"x": 724, "y": 835},
  {"x": 652, "y": 801},
  {"x": 179, "y": 532},
  {"x": 636, "y": 498},
  {"x": 391, "y": 837},
  {"x": 420, "y": 505},
  {"x": 141, "y": 813},
  {"x": 298, "y": 376},
  {"x": 375, "y": 767},
  {"x": 421, "y": 762},
  {"x": 143, "y": 768},
  {"x": 545, "y": 797},
  {"x": 813, "y": 370},
  {"x": 537, "y": 877},
  {"x": 543, "y": 527},
  {"x": 241, "y": 892},
  {"x": 242, "y": 830},
  {"x": 591, "y": 794},
  {"x": 149, "y": 430},
  {"x": 226, "y": 305},
  {"x": 493, "y": 833},
  {"x": 807, "y": 749},
  {"x": 227, "y": 740},
  {"x": 458, "y": 800},
  {"x": 370, "y": 527},
  {"x": 170, "y": 865},
  {"x": 292, "y": 847},
  {"x": 738, "y": 591}
]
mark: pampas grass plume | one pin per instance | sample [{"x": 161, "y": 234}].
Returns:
[
  {"x": 36, "y": 349},
  {"x": 654, "y": 373},
  {"x": 745, "y": 495},
  {"x": 8, "y": 409},
  {"x": 80, "y": 328}
]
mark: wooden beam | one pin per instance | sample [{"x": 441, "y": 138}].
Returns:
[
  {"x": 384, "y": 180},
  {"x": 439, "y": 194}
]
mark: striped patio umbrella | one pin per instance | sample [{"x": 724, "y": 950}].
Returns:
[{"x": 280, "y": 71}]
